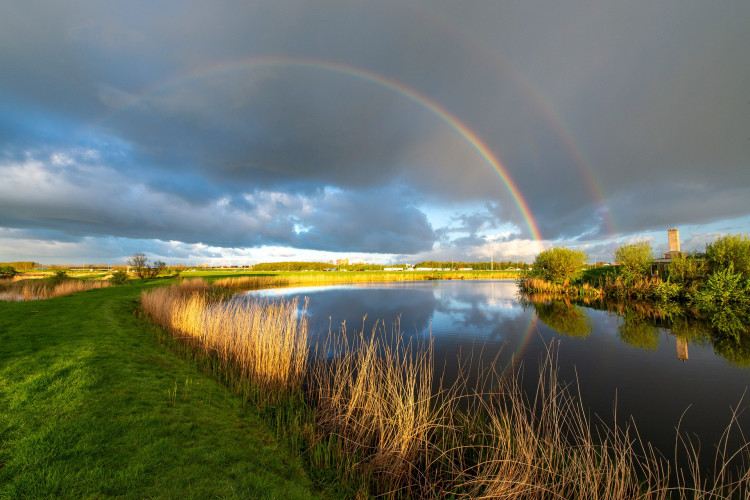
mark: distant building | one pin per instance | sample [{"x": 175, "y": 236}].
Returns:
[
  {"x": 342, "y": 262},
  {"x": 661, "y": 265}
]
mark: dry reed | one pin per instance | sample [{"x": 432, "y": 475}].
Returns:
[
  {"x": 44, "y": 289},
  {"x": 538, "y": 285},
  {"x": 261, "y": 343},
  {"x": 376, "y": 396},
  {"x": 377, "y": 412}
]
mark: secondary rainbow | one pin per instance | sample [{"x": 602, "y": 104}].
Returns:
[
  {"x": 284, "y": 62},
  {"x": 536, "y": 97}
]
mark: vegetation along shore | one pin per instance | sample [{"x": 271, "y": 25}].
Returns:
[{"x": 228, "y": 397}]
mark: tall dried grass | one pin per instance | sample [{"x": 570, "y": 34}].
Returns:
[
  {"x": 375, "y": 396},
  {"x": 378, "y": 415},
  {"x": 538, "y": 285},
  {"x": 258, "y": 344},
  {"x": 45, "y": 289}
]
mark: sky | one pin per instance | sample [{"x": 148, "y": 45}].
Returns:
[{"x": 232, "y": 133}]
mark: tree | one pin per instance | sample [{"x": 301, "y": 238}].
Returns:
[
  {"x": 139, "y": 263},
  {"x": 559, "y": 265},
  {"x": 731, "y": 249},
  {"x": 156, "y": 268},
  {"x": 635, "y": 260}
]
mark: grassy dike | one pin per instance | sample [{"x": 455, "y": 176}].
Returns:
[{"x": 91, "y": 405}]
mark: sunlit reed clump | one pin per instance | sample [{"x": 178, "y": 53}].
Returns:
[
  {"x": 377, "y": 402},
  {"x": 44, "y": 289},
  {"x": 538, "y": 285},
  {"x": 374, "y": 397},
  {"x": 378, "y": 407},
  {"x": 261, "y": 344}
]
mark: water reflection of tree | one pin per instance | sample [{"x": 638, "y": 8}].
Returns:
[
  {"x": 638, "y": 332},
  {"x": 560, "y": 315},
  {"x": 725, "y": 327}
]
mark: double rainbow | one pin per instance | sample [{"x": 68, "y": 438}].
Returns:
[{"x": 285, "y": 62}]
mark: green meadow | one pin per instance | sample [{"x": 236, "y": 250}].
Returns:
[{"x": 93, "y": 405}]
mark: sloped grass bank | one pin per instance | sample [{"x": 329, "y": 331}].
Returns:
[{"x": 92, "y": 406}]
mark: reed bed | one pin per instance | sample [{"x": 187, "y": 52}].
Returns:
[
  {"x": 374, "y": 399},
  {"x": 541, "y": 286},
  {"x": 45, "y": 289},
  {"x": 376, "y": 413},
  {"x": 538, "y": 285},
  {"x": 259, "y": 345}
]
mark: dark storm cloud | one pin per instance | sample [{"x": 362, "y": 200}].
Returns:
[
  {"x": 606, "y": 115},
  {"x": 76, "y": 196}
]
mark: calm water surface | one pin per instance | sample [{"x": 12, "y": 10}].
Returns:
[{"x": 654, "y": 380}]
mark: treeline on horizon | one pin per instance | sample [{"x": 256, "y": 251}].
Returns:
[
  {"x": 430, "y": 264},
  {"x": 21, "y": 265}
]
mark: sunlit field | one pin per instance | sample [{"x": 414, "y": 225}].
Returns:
[
  {"x": 368, "y": 409},
  {"x": 356, "y": 276}
]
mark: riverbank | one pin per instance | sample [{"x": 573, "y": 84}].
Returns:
[
  {"x": 92, "y": 405},
  {"x": 366, "y": 408},
  {"x": 96, "y": 380}
]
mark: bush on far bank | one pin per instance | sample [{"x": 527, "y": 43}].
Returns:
[
  {"x": 7, "y": 271},
  {"x": 119, "y": 278},
  {"x": 559, "y": 265},
  {"x": 732, "y": 249},
  {"x": 719, "y": 276}
]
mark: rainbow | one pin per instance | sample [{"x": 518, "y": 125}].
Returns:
[
  {"x": 538, "y": 99},
  {"x": 285, "y": 62},
  {"x": 594, "y": 186}
]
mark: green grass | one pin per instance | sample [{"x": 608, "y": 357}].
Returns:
[{"x": 91, "y": 405}]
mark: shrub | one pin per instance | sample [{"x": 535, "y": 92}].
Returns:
[
  {"x": 7, "y": 271},
  {"x": 664, "y": 291},
  {"x": 59, "y": 277},
  {"x": 730, "y": 249},
  {"x": 635, "y": 260},
  {"x": 119, "y": 278},
  {"x": 559, "y": 265},
  {"x": 687, "y": 270},
  {"x": 722, "y": 287}
]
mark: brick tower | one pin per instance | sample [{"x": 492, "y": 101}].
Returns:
[{"x": 674, "y": 240}]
